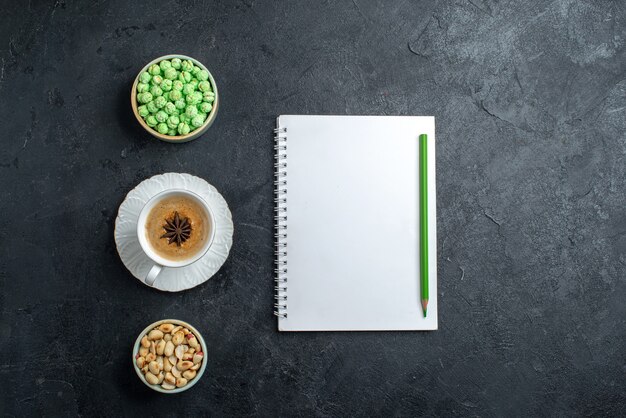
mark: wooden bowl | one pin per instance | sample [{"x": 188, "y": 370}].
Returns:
[{"x": 178, "y": 138}]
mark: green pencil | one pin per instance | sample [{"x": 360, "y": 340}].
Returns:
[{"x": 423, "y": 221}]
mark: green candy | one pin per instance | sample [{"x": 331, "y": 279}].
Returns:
[
  {"x": 159, "y": 102},
  {"x": 156, "y": 91},
  {"x": 197, "y": 121},
  {"x": 175, "y": 95},
  {"x": 161, "y": 116},
  {"x": 203, "y": 75},
  {"x": 188, "y": 89},
  {"x": 170, "y": 73},
  {"x": 154, "y": 69},
  {"x": 193, "y": 98},
  {"x": 170, "y": 108},
  {"x": 165, "y": 64},
  {"x": 162, "y": 128},
  {"x": 184, "y": 76},
  {"x": 144, "y": 97},
  {"x": 142, "y": 87},
  {"x": 204, "y": 86},
  {"x": 183, "y": 128},
  {"x": 173, "y": 122},
  {"x": 208, "y": 96},
  {"x": 191, "y": 111},
  {"x": 205, "y": 107},
  {"x": 152, "y": 107},
  {"x": 187, "y": 65},
  {"x": 151, "y": 121},
  {"x": 166, "y": 85},
  {"x": 143, "y": 111}
]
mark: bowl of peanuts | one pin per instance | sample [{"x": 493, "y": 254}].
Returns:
[{"x": 168, "y": 356}]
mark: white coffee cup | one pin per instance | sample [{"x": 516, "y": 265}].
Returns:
[{"x": 161, "y": 262}]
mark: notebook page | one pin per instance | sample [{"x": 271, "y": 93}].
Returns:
[{"x": 353, "y": 225}]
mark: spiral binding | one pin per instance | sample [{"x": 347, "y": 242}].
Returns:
[{"x": 280, "y": 209}]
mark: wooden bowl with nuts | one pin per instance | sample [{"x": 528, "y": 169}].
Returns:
[{"x": 168, "y": 356}]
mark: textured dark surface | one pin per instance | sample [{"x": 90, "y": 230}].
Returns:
[{"x": 530, "y": 101}]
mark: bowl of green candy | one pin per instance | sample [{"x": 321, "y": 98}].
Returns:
[{"x": 175, "y": 98}]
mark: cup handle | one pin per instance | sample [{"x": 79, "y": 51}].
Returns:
[{"x": 153, "y": 273}]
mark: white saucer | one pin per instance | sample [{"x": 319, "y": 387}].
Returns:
[{"x": 138, "y": 263}]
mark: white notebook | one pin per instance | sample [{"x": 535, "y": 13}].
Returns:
[{"x": 347, "y": 215}]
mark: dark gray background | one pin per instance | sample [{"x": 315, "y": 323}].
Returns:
[{"x": 530, "y": 101}]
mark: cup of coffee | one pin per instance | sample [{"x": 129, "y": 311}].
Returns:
[{"x": 175, "y": 229}]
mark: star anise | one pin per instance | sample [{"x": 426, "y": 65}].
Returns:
[{"x": 177, "y": 229}]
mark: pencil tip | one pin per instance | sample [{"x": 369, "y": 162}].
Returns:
[{"x": 424, "y": 306}]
